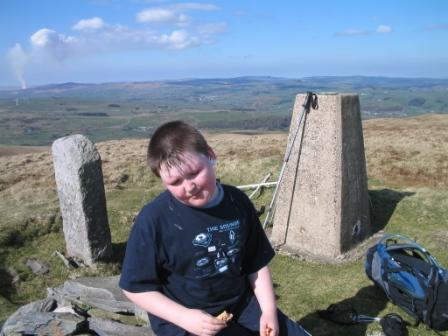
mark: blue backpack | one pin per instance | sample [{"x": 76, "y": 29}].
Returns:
[{"x": 411, "y": 278}]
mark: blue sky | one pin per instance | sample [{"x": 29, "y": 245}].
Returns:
[{"x": 55, "y": 41}]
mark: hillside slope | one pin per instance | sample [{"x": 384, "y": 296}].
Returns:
[{"x": 407, "y": 165}]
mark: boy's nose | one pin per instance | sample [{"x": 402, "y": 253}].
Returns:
[{"x": 190, "y": 187}]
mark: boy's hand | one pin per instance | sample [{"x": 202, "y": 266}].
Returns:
[
  {"x": 201, "y": 323},
  {"x": 269, "y": 325}
]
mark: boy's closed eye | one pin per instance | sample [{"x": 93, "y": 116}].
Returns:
[
  {"x": 175, "y": 182},
  {"x": 193, "y": 174},
  {"x": 188, "y": 176}
]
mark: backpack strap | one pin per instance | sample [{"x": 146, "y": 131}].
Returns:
[
  {"x": 397, "y": 242},
  {"x": 412, "y": 263},
  {"x": 431, "y": 296}
]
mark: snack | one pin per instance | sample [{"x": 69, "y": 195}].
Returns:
[{"x": 225, "y": 316}]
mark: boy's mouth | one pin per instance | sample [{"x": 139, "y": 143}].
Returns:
[{"x": 195, "y": 195}]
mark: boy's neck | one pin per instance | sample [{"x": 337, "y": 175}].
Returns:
[{"x": 216, "y": 198}]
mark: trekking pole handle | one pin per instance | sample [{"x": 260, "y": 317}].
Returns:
[{"x": 310, "y": 101}]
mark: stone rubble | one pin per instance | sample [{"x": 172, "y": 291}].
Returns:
[
  {"x": 15, "y": 276},
  {"x": 37, "y": 267},
  {"x": 84, "y": 306}
]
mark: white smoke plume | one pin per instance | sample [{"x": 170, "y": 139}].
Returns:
[{"x": 18, "y": 59}]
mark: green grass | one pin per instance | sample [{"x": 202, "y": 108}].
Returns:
[{"x": 304, "y": 287}]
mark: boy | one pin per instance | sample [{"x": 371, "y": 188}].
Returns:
[{"x": 199, "y": 249}]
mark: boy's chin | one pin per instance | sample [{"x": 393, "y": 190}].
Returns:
[
  {"x": 198, "y": 203},
  {"x": 195, "y": 202}
]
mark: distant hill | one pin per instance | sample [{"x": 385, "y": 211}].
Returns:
[
  {"x": 272, "y": 84},
  {"x": 38, "y": 115}
]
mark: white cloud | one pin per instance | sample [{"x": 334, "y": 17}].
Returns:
[
  {"x": 43, "y": 37},
  {"x": 56, "y": 45},
  {"x": 162, "y": 16},
  {"x": 384, "y": 29},
  {"x": 178, "y": 39},
  {"x": 156, "y": 15},
  {"x": 89, "y": 24},
  {"x": 50, "y": 45},
  {"x": 168, "y": 27},
  {"x": 173, "y": 14},
  {"x": 49, "y": 38}
]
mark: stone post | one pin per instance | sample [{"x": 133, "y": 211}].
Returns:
[
  {"x": 79, "y": 180},
  {"x": 322, "y": 206}
]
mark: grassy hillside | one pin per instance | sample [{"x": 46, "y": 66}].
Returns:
[{"x": 407, "y": 164}]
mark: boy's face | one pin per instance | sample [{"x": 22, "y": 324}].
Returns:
[{"x": 193, "y": 182}]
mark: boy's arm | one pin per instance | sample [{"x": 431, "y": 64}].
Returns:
[
  {"x": 194, "y": 321},
  {"x": 261, "y": 282}
]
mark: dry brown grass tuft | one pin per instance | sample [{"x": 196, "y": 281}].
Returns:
[
  {"x": 15, "y": 150},
  {"x": 247, "y": 147},
  {"x": 408, "y": 151}
]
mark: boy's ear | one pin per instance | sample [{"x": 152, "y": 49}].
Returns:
[{"x": 211, "y": 154}]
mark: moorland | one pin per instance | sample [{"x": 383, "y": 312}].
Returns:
[{"x": 407, "y": 167}]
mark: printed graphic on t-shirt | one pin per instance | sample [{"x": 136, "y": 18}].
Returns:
[{"x": 218, "y": 249}]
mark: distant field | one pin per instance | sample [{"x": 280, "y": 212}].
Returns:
[
  {"x": 38, "y": 116},
  {"x": 407, "y": 167},
  {"x": 15, "y": 150}
]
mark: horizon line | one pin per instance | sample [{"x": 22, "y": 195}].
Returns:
[{"x": 180, "y": 79}]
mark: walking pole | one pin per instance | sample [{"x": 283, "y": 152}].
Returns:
[{"x": 310, "y": 101}]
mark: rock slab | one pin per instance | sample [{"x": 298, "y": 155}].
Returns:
[
  {"x": 97, "y": 292},
  {"x": 37, "y": 318}
]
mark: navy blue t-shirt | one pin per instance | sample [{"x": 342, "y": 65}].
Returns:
[{"x": 199, "y": 257}]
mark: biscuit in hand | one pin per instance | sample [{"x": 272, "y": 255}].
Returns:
[{"x": 225, "y": 316}]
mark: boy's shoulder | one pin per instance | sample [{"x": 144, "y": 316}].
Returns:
[
  {"x": 158, "y": 204},
  {"x": 231, "y": 189},
  {"x": 235, "y": 194}
]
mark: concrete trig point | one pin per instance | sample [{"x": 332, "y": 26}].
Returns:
[{"x": 322, "y": 207}]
